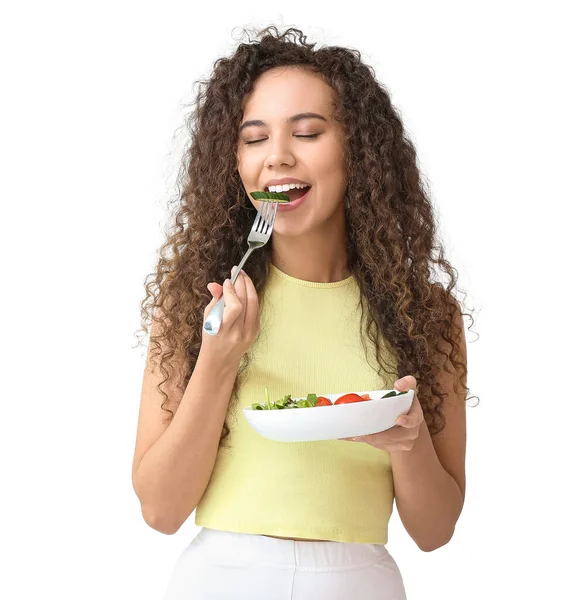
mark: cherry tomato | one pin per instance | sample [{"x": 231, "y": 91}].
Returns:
[
  {"x": 347, "y": 398},
  {"x": 322, "y": 401}
]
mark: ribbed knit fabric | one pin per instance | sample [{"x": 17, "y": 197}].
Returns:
[{"x": 310, "y": 342}]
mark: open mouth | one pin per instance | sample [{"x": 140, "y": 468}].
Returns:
[{"x": 295, "y": 193}]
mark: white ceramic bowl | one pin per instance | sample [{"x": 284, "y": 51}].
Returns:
[{"x": 330, "y": 422}]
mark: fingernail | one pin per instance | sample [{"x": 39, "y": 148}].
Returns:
[
  {"x": 401, "y": 422},
  {"x": 233, "y": 270},
  {"x": 227, "y": 281}
]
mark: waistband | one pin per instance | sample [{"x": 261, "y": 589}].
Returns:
[{"x": 223, "y": 547}]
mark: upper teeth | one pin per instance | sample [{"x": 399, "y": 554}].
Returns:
[{"x": 286, "y": 187}]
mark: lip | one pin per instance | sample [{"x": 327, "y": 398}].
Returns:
[{"x": 288, "y": 206}]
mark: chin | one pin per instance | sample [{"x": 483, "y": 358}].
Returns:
[{"x": 288, "y": 230}]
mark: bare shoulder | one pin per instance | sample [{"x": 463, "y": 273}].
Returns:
[
  {"x": 153, "y": 420},
  {"x": 450, "y": 443}
]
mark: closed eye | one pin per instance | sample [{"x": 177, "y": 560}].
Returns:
[{"x": 314, "y": 135}]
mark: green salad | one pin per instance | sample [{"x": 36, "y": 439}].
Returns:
[
  {"x": 312, "y": 400},
  {"x": 285, "y": 402}
]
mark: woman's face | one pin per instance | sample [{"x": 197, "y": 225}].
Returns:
[{"x": 272, "y": 147}]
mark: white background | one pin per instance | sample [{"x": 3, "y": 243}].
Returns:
[{"x": 494, "y": 98}]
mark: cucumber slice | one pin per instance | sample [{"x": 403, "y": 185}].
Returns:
[{"x": 281, "y": 198}]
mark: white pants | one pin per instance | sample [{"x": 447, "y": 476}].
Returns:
[{"x": 223, "y": 565}]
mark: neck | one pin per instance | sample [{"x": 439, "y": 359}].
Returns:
[{"x": 318, "y": 256}]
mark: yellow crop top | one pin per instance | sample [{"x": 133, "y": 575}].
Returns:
[{"x": 309, "y": 342}]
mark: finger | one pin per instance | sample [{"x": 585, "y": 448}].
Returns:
[
  {"x": 233, "y": 306},
  {"x": 241, "y": 291},
  {"x": 408, "y": 382},
  {"x": 408, "y": 418},
  {"x": 412, "y": 418},
  {"x": 366, "y": 439},
  {"x": 362, "y": 438},
  {"x": 376, "y": 439},
  {"x": 251, "y": 320},
  {"x": 216, "y": 290},
  {"x": 411, "y": 412}
]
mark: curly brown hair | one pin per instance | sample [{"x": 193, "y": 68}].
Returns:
[{"x": 391, "y": 228}]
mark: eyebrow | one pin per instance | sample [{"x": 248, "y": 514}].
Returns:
[{"x": 292, "y": 119}]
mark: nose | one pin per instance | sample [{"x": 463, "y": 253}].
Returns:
[{"x": 279, "y": 153}]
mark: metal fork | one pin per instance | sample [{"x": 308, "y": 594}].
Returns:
[{"x": 259, "y": 235}]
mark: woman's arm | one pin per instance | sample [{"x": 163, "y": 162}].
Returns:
[
  {"x": 428, "y": 496},
  {"x": 173, "y": 464},
  {"x": 429, "y": 479}
]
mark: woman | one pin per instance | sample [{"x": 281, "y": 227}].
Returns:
[{"x": 339, "y": 300}]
